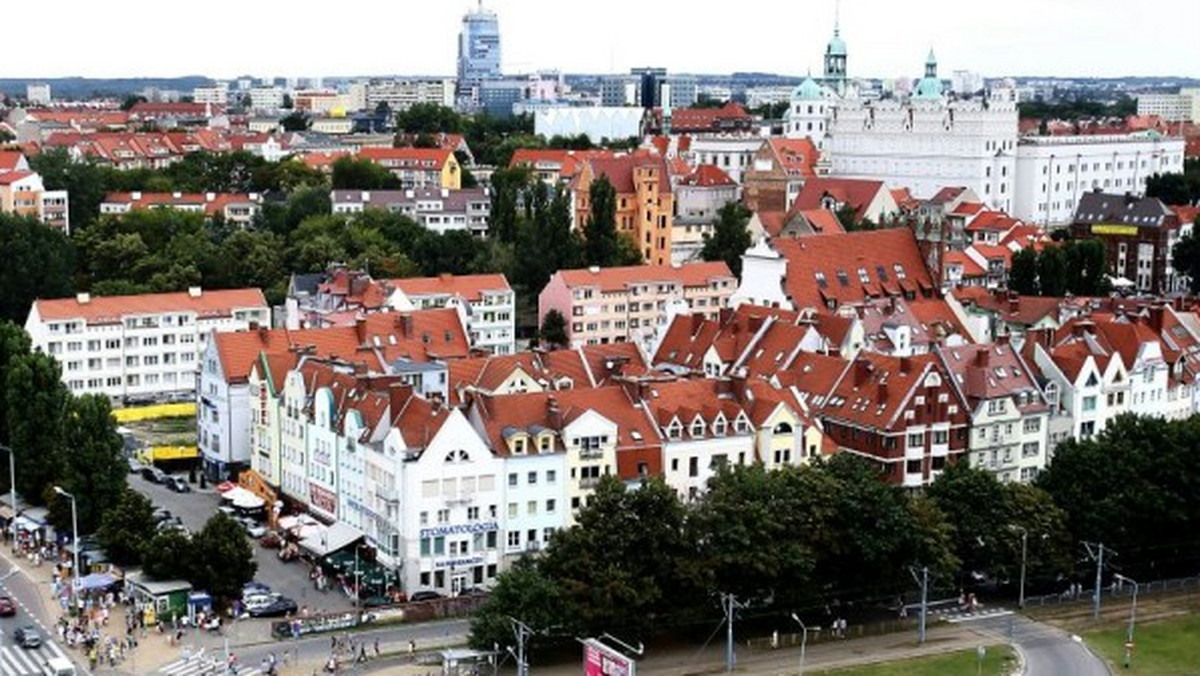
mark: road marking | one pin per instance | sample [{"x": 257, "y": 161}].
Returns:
[
  {"x": 984, "y": 615},
  {"x": 16, "y": 661}
]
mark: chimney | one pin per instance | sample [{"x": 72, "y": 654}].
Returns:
[
  {"x": 83, "y": 298},
  {"x": 1014, "y": 303},
  {"x": 755, "y": 323},
  {"x": 594, "y": 269},
  {"x": 406, "y": 325},
  {"x": 553, "y": 414},
  {"x": 135, "y": 196},
  {"x": 1155, "y": 318},
  {"x": 360, "y": 330},
  {"x": 981, "y": 357},
  {"x": 1081, "y": 328},
  {"x": 881, "y": 394},
  {"x": 210, "y": 196},
  {"x": 366, "y": 196},
  {"x": 194, "y": 291},
  {"x": 905, "y": 364},
  {"x": 862, "y": 371},
  {"x": 176, "y": 195}
]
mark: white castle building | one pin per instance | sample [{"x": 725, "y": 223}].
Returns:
[{"x": 928, "y": 140}]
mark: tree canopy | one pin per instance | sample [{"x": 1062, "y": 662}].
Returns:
[
  {"x": 730, "y": 237},
  {"x": 39, "y": 262}
]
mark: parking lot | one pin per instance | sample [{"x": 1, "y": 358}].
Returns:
[{"x": 289, "y": 579}]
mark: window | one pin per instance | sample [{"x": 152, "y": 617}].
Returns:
[
  {"x": 512, "y": 510},
  {"x": 1033, "y": 425},
  {"x": 693, "y": 466},
  {"x": 532, "y": 477},
  {"x": 514, "y": 539},
  {"x": 512, "y": 479},
  {"x": 1089, "y": 403},
  {"x": 551, "y": 476},
  {"x": 551, "y": 505},
  {"x": 1029, "y": 449},
  {"x": 531, "y": 507},
  {"x": 941, "y": 436},
  {"x": 916, "y": 439}
]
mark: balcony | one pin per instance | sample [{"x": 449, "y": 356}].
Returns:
[
  {"x": 590, "y": 453},
  {"x": 387, "y": 494},
  {"x": 589, "y": 482}
]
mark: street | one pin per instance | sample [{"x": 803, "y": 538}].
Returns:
[
  {"x": 31, "y": 610},
  {"x": 289, "y": 579},
  {"x": 1046, "y": 650}
]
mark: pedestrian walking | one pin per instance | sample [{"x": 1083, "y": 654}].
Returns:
[{"x": 377, "y": 646}]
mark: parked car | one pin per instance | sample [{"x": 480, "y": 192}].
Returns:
[
  {"x": 178, "y": 484},
  {"x": 135, "y": 467},
  {"x": 254, "y": 587},
  {"x": 153, "y": 474},
  {"x": 8, "y": 607},
  {"x": 171, "y": 523},
  {"x": 279, "y": 607},
  {"x": 424, "y": 595},
  {"x": 473, "y": 591},
  {"x": 255, "y": 602},
  {"x": 162, "y": 514},
  {"x": 27, "y": 637}
]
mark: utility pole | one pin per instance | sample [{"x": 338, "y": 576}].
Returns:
[
  {"x": 730, "y": 605},
  {"x": 522, "y": 632},
  {"x": 923, "y": 580},
  {"x": 1098, "y": 557}
]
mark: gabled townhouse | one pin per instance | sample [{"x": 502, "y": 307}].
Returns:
[
  {"x": 438, "y": 209},
  {"x": 418, "y": 167},
  {"x": 268, "y": 374},
  {"x": 633, "y": 303},
  {"x": 141, "y": 347},
  {"x": 902, "y": 412},
  {"x": 703, "y": 428},
  {"x": 777, "y": 173},
  {"x": 699, "y": 196},
  {"x": 385, "y": 343},
  {"x": 601, "y": 432},
  {"x": 1009, "y": 414},
  {"x": 541, "y": 371},
  {"x": 644, "y": 201},
  {"x": 1090, "y": 385},
  {"x": 486, "y": 301},
  {"x": 869, "y": 200}
]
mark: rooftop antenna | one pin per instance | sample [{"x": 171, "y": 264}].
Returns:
[{"x": 837, "y": 14}]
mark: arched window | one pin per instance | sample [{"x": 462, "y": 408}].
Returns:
[{"x": 783, "y": 428}]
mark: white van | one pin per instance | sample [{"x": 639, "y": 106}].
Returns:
[{"x": 59, "y": 666}]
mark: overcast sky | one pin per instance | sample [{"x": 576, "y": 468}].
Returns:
[{"x": 885, "y": 38}]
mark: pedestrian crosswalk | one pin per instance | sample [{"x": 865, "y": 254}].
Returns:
[
  {"x": 956, "y": 617},
  {"x": 199, "y": 664},
  {"x": 16, "y": 661}
]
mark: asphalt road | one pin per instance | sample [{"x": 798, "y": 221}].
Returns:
[
  {"x": 289, "y": 579},
  {"x": 1047, "y": 651}
]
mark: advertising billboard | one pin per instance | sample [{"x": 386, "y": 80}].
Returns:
[{"x": 601, "y": 660}]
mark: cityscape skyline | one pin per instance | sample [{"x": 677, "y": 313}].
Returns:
[{"x": 885, "y": 40}]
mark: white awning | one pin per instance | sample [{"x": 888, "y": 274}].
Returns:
[
  {"x": 331, "y": 539},
  {"x": 240, "y": 497}
]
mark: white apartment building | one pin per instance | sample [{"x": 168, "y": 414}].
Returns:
[
  {"x": 535, "y": 500},
  {"x": 138, "y": 348},
  {"x": 1181, "y": 107},
  {"x": 486, "y": 302},
  {"x": 1052, "y": 172},
  {"x": 267, "y": 98},
  {"x": 437, "y": 209},
  {"x": 1091, "y": 390},
  {"x": 614, "y": 305},
  {"x": 403, "y": 94},
  {"x": 216, "y": 94},
  {"x": 731, "y": 153}
]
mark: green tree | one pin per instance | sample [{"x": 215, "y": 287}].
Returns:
[
  {"x": 250, "y": 258},
  {"x": 126, "y": 528},
  {"x": 428, "y": 118},
  {"x": 1136, "y": 488},
  {"x": 600, "y": 232},
  {"x": 1170, "y": 188},
  {"x": 131, "y": 101},
  {"x": 1052, "y": 272},
  {"x": 172, "y": 555},
  {"x": 36, "y": 400},
  {"x": 525, "y": 592},
  {"x": 355, "y": 174},
  {"x": 625, "y": 562},
  {"x": 14, "y": 343},
  {"x": 94, "y": 466},
  {"x": 553, "y": 333},
  {"x": 295, "y": 121},
  {"x": 38, "y": 263},
  {"x": 1022, "y": 279},
  {"x": 973, "y": 501},
  {"x": 1185, "y": 258},
  {"x": 507, "y": 187},
  {"x": 86, "y": 183},
  {"x": 225, "y": 558},
  {"x": 730, "y": 237}
]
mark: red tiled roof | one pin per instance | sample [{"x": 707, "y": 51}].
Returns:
[
  {"x": 772, "y": 222},
  {"x": 823, "y": 221},
  {"x": 969, "y": 267},
  {"x": 620, "y": 171},
  {"x": 797, "y": 157},
  {"x": 110, "y": 309},
  {"x": 839, "y": 257},
  {"x": 967, "y": 208},
  {"x": 707, "y": 176},
  {"x": 1027, "y": 310},
  {"x": 9, "y": 159},
  {"x": 873, "y": 390},
  {"x": 619, "y": 279},
  {"x": 468, "y": 287},
  {"x": 857, "y": 193},
  {"x": 147, "y": 200},
  {"x": 947, "y": 194},
  {"x": 991, "y": 371},
  {"x": 10, "y": 177},
  {"x": 1186, "y": 214}
]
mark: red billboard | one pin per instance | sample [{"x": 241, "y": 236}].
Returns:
[{"x": 601, "y": 660}]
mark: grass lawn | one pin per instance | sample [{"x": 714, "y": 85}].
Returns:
[
  {"x": 1000, "y": 661},
  {"x": 1163, "y": 648}
]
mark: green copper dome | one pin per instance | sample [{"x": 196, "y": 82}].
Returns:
[{"x": 808, "y": 90}]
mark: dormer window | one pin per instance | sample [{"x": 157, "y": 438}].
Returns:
[
  {"x": 719, "y": 427},
  {"x": 674, "y": 430},
  {"x": 545, "y": 443},
  {"x": 697, "y": 428},
  {"x": 741, "y": 425},
  {"x": 519, "y": 446}
]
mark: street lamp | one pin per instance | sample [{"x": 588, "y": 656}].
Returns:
[
  {"x": 1132, "y": 617},
  {"x": 12, "y": 489},
  {"x": 74, "y": 537},
  {"x": 803, "y": 639},
  {"x": 1024, "y": 550}
]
